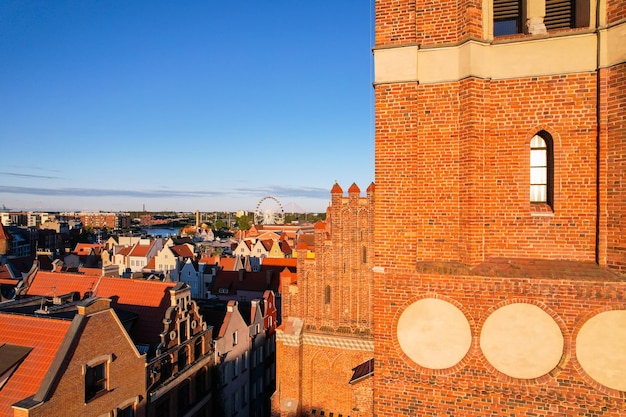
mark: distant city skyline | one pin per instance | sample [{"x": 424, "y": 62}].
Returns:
[{"x": 206, "y": 106}]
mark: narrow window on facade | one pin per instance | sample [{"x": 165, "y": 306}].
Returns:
[
  {"x": 163, "y": 408},
  {"x": 507, "y": 17},
  {"x": 226, "y": 370},
  {"x": 166, "y": 368},
  {"x": 183, "y": 398},
  {"x": 541, "y": 169},
  {"x": 364, "y": 255},
  {"x": 197, "y": 348},
  {"x": 235, "y": 338},
  {"x": 244, "y": 395},
  {"x": 236, "y": 401},
  {"x": 200, "y": 384},
  {"x": 183, "y": 358},
  {"x": 182, "y": 330},
  {"x": 95, "y": 380},
  {"x": 126, "y": 412},
  {"x": 327, "y": 295}
]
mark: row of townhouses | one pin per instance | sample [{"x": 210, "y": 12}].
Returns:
[
  {"x": 80, "y": 344},
  {"x": 192, "y": 335}
]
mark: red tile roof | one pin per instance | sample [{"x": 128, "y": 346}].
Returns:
[
  {"x": 252, "y": 281},
  {"x": 285, "y": 247},
  {"x": 182, "y": 251},
  {"x": 149, "y": 299},
  {"x": 124, "y": 251},
  {"x": 308, "y": 241},
  {"x": 45, "y": 336},
  {"x": 87, "y": 248},
  {"x": 151, "y": 264},
  {"x": 141, "y": 250},
  {"x": 291, "y": 262},
  {"x": 90, "y": 271},
  {"x": 228, "y": 264},
  {"x": 5, "y": 273},
  {"x": 210, "y": 260}
]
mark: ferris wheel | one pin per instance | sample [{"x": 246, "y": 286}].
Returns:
[{"x": 269, "y": 210}]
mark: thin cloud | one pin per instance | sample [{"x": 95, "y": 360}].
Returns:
[
  {"x": 15, "y": 174},
  {"x": 90, "y": 192},
  {"x": 281, "y": 192},
  {"x": 286, "y": 191}
]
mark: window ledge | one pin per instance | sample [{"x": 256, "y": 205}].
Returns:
[{"x": 541, "y": 210}]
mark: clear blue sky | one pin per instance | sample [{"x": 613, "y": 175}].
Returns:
[{"x": 184, "y": 105}]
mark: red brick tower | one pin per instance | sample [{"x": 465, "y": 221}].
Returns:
[
  {"x": 500, "y": 249},
  {"x": 327, "y": 316}
]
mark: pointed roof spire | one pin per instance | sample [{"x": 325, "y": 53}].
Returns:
[
  {"x": 336, "y": 189},
  {"x": 354, "y": 189}
]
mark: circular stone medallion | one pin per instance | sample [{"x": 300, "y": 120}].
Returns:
[
  {"x": 601, "y": 348},
  {"x": 522, "y": 341},
  {"x": 434, "y": 333}
]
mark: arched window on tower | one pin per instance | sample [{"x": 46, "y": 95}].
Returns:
[
  {"x": 541, "y": 169},
  {"x": 327, "y": 295}
]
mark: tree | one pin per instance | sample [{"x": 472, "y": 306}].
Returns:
[
  {"x": 244, "y": 222},
  {"x": 220, "y": 225}
]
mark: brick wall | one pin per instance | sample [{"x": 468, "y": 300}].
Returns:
[
  {"x": 453, "y": 163},
  {"x": 615, "y": 92},
  {"x": 615, "y": 11},
  {"x": 453, "y": 220},
  {"x": 427, "y": 22},
  {"x": 317, "y": 379},
  {"x": 403, "y": 388},
  {"x": 325, "y": 375},
  {"x": 126, "y": 375}
]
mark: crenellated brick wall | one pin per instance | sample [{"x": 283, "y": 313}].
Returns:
[{"x": 327, "y": 330}]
